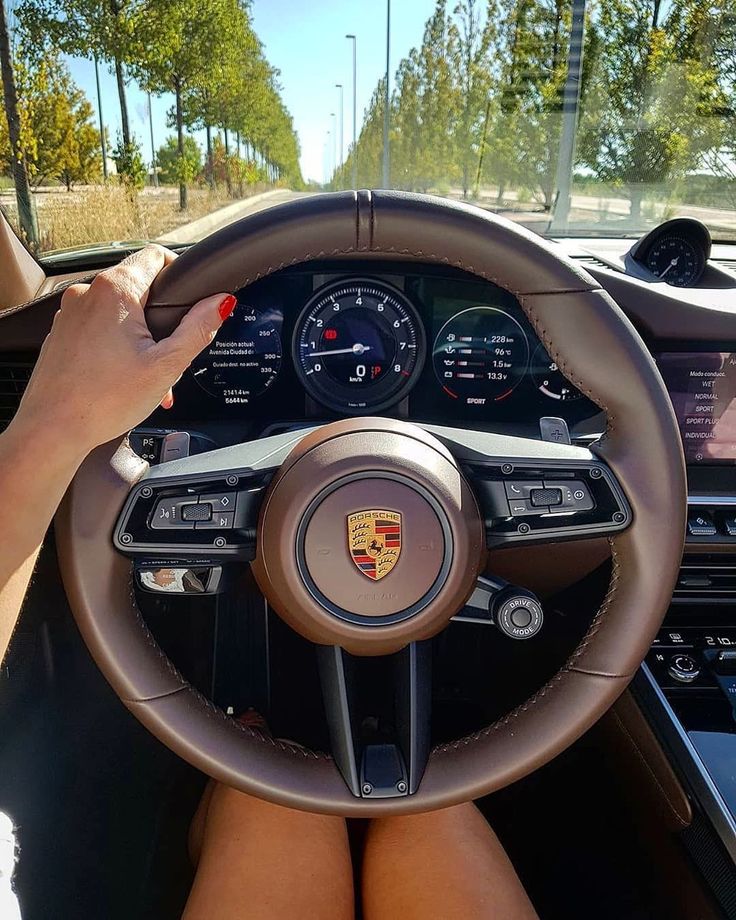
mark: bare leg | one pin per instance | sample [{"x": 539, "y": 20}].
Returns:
[
  {"x": 444, "y": 865},
  {"x": 264, "y": 862}
]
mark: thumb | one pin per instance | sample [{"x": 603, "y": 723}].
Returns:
[{"x": 196, "y": 330}]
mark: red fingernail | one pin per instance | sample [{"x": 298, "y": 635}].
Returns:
[{"x": 227, "y": 306}]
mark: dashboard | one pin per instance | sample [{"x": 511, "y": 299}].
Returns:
[
  {"x": 420, "y": 342},
  {"x": 359, "y": 335}
]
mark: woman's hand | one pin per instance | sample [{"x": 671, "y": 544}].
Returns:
[{"x": 100, "y": 372}]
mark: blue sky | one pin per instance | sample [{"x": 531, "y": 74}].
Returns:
[{"x": 306, "y": 40}]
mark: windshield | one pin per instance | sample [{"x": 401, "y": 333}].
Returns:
[{"x": 136, "y": 120}]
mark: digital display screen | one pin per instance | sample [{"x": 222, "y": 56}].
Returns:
[{"x": 702, "y": 387}]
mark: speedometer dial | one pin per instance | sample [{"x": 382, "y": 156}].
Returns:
[
  {"x": 243, "y": 360},
  {"x": 358, "y": 346},
  {"x": 480, "y": 355}
]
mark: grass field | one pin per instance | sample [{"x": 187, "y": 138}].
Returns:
[{"x": 111, "y": 213}]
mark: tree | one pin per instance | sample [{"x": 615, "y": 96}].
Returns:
[
  {"x": 26, "y": 214},
  {"x": 92, "y": 28},
  {"x": 175, "y": 169},
  {"x": 475, "y": 39},
  {"x": 424, "y": 113},
  {"x": 175, "y": 53},
  {"x": 369, "y": 147},
  {"x": 59, "y": 139},
  {"x": 405, "y": 123},
  {"x": 525, "y": 135},
  {"x": 656, "y": 105},
  {"x": 439, "y": 103},
  {"x": 209, "y": 104},
  {"x": 129, "y": 164}
]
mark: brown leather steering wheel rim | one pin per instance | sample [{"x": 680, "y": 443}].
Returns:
[{"x": 598, "y": 350}]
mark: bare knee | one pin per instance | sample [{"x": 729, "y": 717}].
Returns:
[{"x": 399, "y": 828}]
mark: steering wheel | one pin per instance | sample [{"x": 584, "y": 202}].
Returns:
[{"x": 437, "y": 494}]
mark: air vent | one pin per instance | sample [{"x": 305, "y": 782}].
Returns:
[
  {"x": 14, "y": 377},
  {"x": 712, "y": 582},
  {"x": 589, "y": 261},
  {"x": 728, "y": 264}
]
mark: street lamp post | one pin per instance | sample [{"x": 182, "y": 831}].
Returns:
[
  {"x": 327, "y": 159},
  {"x": 341, "y": 148},
  {"x": 355, "y": 109},
  {"x": 333, "y": 116},
  {"x": 153, "y": 146},
  {"x": 386, "y": 170},
  {"x": 102, "y": 123}
]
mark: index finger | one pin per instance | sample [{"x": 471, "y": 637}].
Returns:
[{"x": 135, "y": 274}]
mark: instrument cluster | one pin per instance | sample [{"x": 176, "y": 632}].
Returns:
[{"x": 424, "y": 343}]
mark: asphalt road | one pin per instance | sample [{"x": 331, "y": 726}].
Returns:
[{"x": 203, "y": 226}]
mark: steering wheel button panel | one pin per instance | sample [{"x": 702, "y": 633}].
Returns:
[
  {"x": 181, "y": 516},
  {"x": 587, "y": 501}
]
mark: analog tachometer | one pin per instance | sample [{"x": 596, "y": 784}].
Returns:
[{"x": 358, "y": 346}]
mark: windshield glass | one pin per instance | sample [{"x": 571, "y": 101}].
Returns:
[{"x": 136, "y": 120}]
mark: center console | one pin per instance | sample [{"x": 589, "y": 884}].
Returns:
[{"x": 687, "y": 686}]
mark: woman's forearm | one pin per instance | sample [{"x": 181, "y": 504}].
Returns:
[
  {"x": 37, "y": 463},
  {"x": 79, "y": 396}
]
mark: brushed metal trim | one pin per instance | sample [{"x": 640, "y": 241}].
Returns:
[{"x": 711, "y": 500}]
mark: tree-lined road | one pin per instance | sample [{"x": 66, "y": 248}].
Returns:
[
  {"x": 589, "y": 213},
  {"x": 198, "y": 229}
]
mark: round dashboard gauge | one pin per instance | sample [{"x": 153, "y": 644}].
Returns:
[
  {"x": 358, "y": 346},
  {"x": 244, "y": 358},
  {"x": 480, "y": 355},
  {"x": 549, "y": 379},
  {"x": 675, "y": 260}
]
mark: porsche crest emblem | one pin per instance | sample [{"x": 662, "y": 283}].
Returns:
[{"x": 374, "y": 540}]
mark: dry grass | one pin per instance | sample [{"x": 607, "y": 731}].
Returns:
[{"x": 111, "y": 213}]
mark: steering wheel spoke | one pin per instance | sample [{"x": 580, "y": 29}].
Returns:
[
  {"x": 379, "y": 730},
  {"x": 537, "y": 492},
  {"x": 201, "y": 508}
]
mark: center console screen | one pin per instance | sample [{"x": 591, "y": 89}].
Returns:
[{"x": 702, "y": 387}]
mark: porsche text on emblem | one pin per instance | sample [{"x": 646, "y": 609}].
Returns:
[{"x": 374, "y": 540}]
